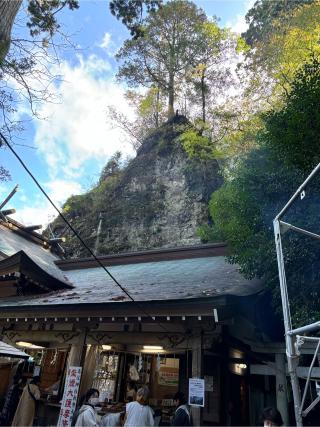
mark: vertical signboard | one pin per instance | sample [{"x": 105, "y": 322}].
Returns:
[{"x": 69, "y": 400}]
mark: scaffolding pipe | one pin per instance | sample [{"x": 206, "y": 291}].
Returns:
[
  {"x": 305, "y": 329},
  {"x": 312, "y": 339},
  {"x": 298, "y": 192},
  {"x": 286, "y": 226},
  {"x": 308, "y": 378},
  {"x": 292, "y": 355},
  {"x": 292, "y": 334}
]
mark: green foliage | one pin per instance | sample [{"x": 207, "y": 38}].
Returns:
[
  {"x": 75, "y": 205},
  {"x": 243, "y": 208},
  {"x": 130, "y": 12},
  {"x": 113, "y": 167},
  {"x": 242, "y": 46},
  {"x": 262, "y": 15},
  {"x": 92, "y": 201},
  {"x": 289, "y": 40},
  {"x": 207, "y": 233},
  {"x": 293, "y": 132},
  {"x": 167, "y": 50},
  {"x": 196, "y": 144},
  {"x": 43, "y": 15}
]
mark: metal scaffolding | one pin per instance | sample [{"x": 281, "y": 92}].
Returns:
[{"x": 293, "y": 337}]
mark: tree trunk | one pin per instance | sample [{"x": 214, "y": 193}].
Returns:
[
  {"x": 158, "y": 107},
  {"x": 203, "y": 97},
  {"x": 8, "y": 12},
  {"x": 171, "y": 97}
]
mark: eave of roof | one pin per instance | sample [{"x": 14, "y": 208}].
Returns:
[
  {"x": 22, "y": 263},
  {"x": 7, "y": 350},
  {"x": 177, "y": 307}
]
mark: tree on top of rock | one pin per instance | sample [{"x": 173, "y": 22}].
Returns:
[{"x": 166, "y": 51}]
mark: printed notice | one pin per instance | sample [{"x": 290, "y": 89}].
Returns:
[
  {"x": 196, "y": 392},
  {"x": 70, "y": 395}
]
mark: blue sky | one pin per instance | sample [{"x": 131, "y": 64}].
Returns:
[{"x": 73, "y": 139}]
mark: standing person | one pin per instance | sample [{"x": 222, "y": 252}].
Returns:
[
  {"x": 112, "y": 420},
  {"x": 139, "y": 413},
  {"x": 182, "y": 415},
  {"x": 271, "y": 417},
  {"x": 131, "y": 391},
  {"x": 11, "y": 402},
  {"x": 53, "y": 389},
  {"x": 27, "y": 404},
  {"x": 87, "y": 415}
]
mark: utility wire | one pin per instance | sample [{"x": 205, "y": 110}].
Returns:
[{"x": 76, "y": 233}]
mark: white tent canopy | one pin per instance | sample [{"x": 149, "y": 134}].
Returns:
[{"x": 7, "y": 350}]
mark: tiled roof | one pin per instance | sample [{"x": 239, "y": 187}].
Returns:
[
  {"x": 157, "y": 275},
  {"x": 150, "y": 281}
]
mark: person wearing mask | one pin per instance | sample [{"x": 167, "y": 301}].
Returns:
[
  {"x": 271, "y": 417},
  {"x": 182, "y": 415},
  {"x": 87, "y": 415},
  {"x": 131, "y": 391},
  {"x": 139, "y": 413},
  {"x": 26, "y": 409}
]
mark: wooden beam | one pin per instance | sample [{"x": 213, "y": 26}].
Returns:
[
  {"x": 154, "y": 255},
  {"x": 105, "y": 321},
  {"x": 10, "y": 195},
  {"x": 155, "y": 309},
  {"x": 32, "y": 227},
  {"x": 6, "y": 212}
]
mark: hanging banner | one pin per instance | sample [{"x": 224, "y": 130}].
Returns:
[
  {"x": 196, "y": 392},
  {"x": 70, "y": 395}
]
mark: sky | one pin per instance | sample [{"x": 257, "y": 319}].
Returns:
[{"x": 73, "y": 137}]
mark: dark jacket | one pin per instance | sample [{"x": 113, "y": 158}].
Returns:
[
  {"x": 10, "y": 405},
  {"x": 182, "y": 417}
]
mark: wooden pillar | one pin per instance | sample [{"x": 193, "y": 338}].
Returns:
[
  {"x": 196, "y": 372},
  {"x": 76, "y": 351},
  {"x": 281, "y": 387}
]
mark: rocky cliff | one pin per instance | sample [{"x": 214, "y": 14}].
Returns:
[{"x": 159, "y": 200}]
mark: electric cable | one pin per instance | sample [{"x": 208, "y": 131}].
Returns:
[{"x": 25, "y": 167}]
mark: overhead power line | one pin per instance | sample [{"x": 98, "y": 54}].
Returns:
[{"x": 84, "y": 244}]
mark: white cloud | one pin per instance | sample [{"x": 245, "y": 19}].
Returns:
[
  {"x": 109, "y": 46},
  {"x": 59, "y": 190},
  {"x": 41, "y": 211},
  {"x": 238, "y": 24},
  {"x": 105, "y": 41},
  {"x": 77, "y": 128},
  {"x": 76, "y": 131}
]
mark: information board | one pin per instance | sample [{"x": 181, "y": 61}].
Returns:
[
  {"x": 196, "y": 392},
  {"x": 69, "y": 400}
]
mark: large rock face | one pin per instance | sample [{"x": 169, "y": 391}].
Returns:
[{"x": 159, "y": 201}]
